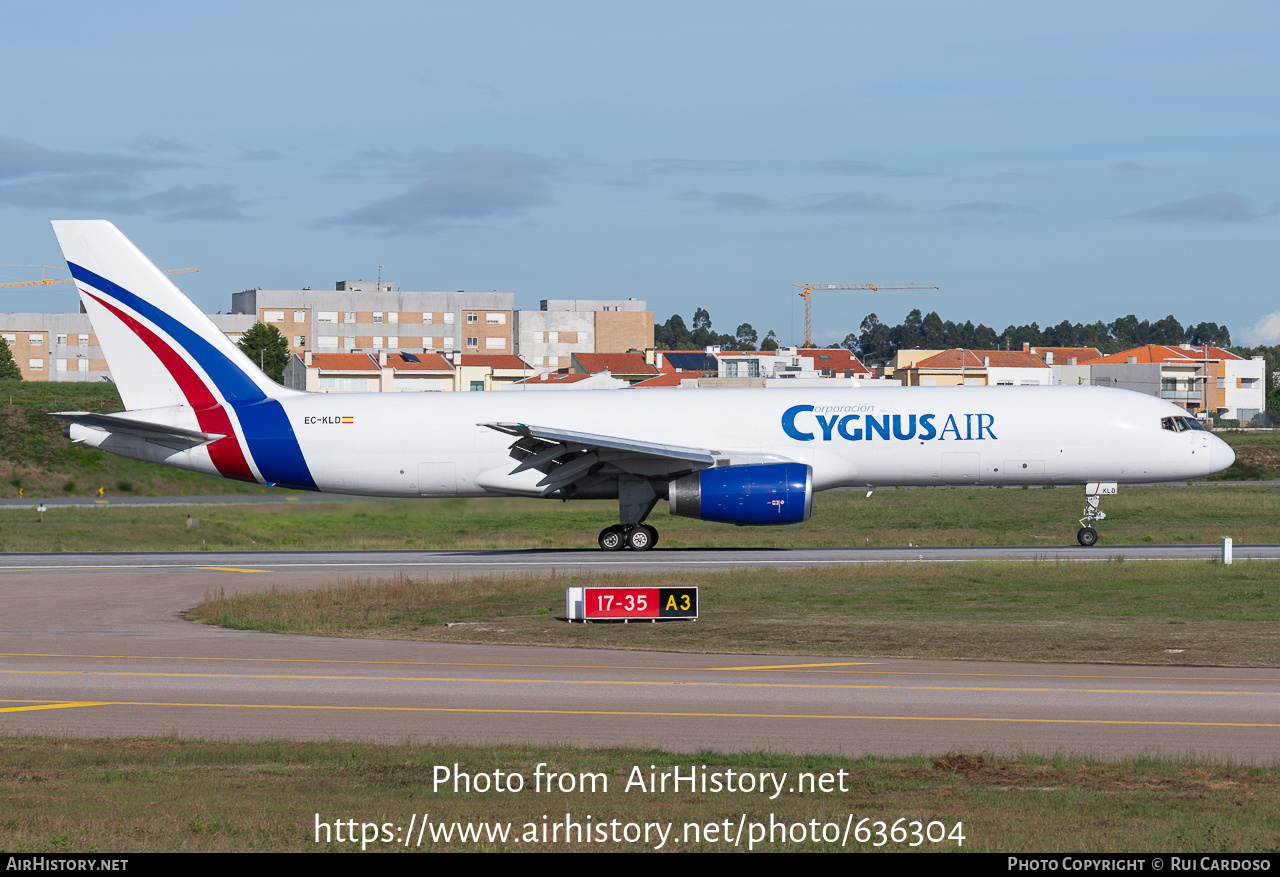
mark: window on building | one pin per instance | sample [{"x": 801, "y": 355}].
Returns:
[
  {"x": 473, "y": 318},
  {"x": 428, "y": 343},
  {"x": 393, "y": 342},
  {"x": 428, "y": 318},
  {"x": 448, "y": 318},
  {"x": 377, "y": 316},
  {"x": 327, "y": 341},
  {"x": 553, "y": 337},
  {"x": 1222, "y": 383},
  {"x": 299, "y": 316},
  {"x": 473, "y": 342},
  {"x": 393, "y": 317},
  {"x": 350, "y": 341},
  {"x": 273, "y": 316},
  {"x": 60, "y": 364},
  {"x": 377, "y": 342},
  {"x": 448, "y": 342},
  {"x": 35, "y": 365},
  {"x": 84, "y": 340},
  {"x": 61, "y": 339},
  {"x": 299, "y": 340},
  {"x": 477, "y": 386},
  {"x": 348, "y": 316},
  {"x": 495, "y": 319},
  {"x": 327, "y": 317},
  {"x": 495, "y": 344},
  {"x": 82, "y": 366},
  {"x": 35, "y": 339}
]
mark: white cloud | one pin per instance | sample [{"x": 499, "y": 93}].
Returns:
[{"x": 1265, "y": 331}]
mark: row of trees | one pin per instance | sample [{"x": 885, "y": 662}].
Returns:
[{"x": 878, "y": 342}]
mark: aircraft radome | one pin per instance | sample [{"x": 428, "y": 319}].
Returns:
[{"x": 743, "y": 456}]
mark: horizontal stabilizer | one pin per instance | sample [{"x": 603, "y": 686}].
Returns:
[{"x": 161, "y": 434}]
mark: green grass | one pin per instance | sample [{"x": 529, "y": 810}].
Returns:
[
  {"x": 1165, "y": 613},
  {"x": 1168, "y": 514},
  {"x": 146, "y": 795}
]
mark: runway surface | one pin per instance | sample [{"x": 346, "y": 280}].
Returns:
[{"x": 93, "y": 645}]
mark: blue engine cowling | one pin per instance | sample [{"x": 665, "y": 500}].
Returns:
[{"x": 757, "y": 494}]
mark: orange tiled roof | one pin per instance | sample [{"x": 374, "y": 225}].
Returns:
[
  {"x": 1061, "y": 354},
  {"x": 1167, "y": 353},
  {"x": 951, "y": 359},
  {"x": 495, "y": 360},
  {"x": 837, "y": 358},
  {"x": 617, "y": 363},
  {"x": 427, "y": 362},
  {"x": 555, "y": 378},
  {"x": 666, "y": 379},
  {"x": 344, "y": 362}
]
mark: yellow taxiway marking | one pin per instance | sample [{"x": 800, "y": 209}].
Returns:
[
  {"x": 228, "y": 569},
  {"x": 880, "y": 669},
  {"x": 49, "y": 706},
  {"x": 734, "y": 684},
  {"x": 692, "y": 715}
]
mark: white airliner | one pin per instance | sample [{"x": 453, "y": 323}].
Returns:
[{"x": 196, "y": 402}]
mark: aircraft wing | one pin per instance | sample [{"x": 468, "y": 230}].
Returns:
[
  {"x": 159, "y": 433},
  {"x": 571, "y": 461}
]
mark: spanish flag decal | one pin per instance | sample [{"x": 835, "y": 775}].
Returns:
[{"x": 348, "y": 420}]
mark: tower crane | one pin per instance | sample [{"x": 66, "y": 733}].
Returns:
[
  {"x": 50, "y": 281},
  {"x": 807, "y": 289}
]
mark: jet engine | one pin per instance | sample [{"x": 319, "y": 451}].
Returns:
[{"x": 755, "y": 494}]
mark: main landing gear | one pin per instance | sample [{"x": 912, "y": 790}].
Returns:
[
  {"x": 637, "y": 537},
  {"x": 1087, "y": 536},
  {"x": 636, "y": 498}
]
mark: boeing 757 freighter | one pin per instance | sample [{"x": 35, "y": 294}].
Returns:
[{"x": 750, "y": 457}]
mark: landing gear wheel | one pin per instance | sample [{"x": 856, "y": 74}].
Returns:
[
  {"x": 1088, "y": 537},
  {"x": 642, "y": 538},
  {"x": 611, "y": 538}
]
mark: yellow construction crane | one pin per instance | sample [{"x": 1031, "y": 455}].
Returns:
[
  {"x": 807, "y": 292},
  {"x": 50, "y": 281}
]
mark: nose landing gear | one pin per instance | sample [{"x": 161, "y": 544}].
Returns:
[{"x": 1087, "y": 536}]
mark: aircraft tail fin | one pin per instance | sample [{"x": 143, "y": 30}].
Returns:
[{"x": 161, "y": 349}]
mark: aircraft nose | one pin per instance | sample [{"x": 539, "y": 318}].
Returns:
[{"x": 1220, "y": 455}]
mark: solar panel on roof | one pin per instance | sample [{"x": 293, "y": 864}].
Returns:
[{"x": 409, "y": 357}]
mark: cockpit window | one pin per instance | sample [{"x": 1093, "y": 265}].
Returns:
[{"x": 1181, "y": 424}]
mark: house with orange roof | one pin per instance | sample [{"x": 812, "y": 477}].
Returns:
[
  {"x": 479, "y": 371},
  {"x": 369, "y": 373},
  {"x": 629, "y": 367},
  {"x": 1203, "y": 380},
  {"x": 567, "y": 381},
  {"x": 962, "y": 367}
]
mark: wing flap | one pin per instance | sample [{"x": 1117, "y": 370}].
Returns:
[{"x": 571, "y": 460}]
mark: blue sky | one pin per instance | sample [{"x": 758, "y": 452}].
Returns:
[{"x": 1035, "y": 163}]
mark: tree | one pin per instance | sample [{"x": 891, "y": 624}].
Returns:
[
  {"x": 268, "y": 349},
  {"x": 746, "y": 337},
  {"x": 770, "y": 341},
  {"x": 9, "y": 370}
]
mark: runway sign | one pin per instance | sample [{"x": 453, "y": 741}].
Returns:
[{"x": 630, "y": 604}]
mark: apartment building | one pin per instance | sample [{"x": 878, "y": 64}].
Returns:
[{"x": 359, "y": 316}]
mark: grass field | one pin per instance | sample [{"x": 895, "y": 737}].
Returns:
[
  {"x": 1172, "y": 613},
  {"x": 1167, "y": 514},
  {"x": 144, "y": 795}
]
